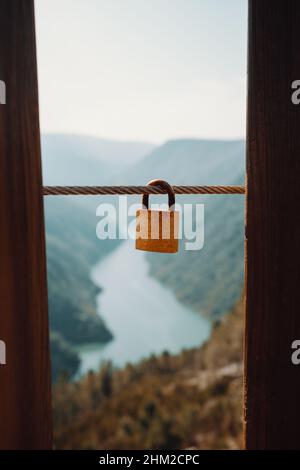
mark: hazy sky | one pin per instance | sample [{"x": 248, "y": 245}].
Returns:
[{"x": 142, "y": 69}]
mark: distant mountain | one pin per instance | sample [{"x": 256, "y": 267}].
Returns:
[
  {"x": 209, "y": 280},
  {"x": 192, "y": 162},
  {"x": 77, "y": 160}
]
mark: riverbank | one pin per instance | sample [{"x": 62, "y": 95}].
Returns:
[{"x": 144, "y": 316}]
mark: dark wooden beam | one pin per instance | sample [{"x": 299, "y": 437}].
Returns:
[
  {"x": 272, "y": 382},
  {"x": 25, "y": 406}
]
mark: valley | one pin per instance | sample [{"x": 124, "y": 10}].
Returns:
[
  {"x": 145, "y": 316},
  {"x": 208, "y": 282}
]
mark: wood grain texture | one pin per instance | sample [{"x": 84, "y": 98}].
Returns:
[
  {"x": 272, "y": 382},
  {"x": 25, "y": 406}
]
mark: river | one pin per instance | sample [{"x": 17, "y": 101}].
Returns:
[{"x": 144, "y": 316}]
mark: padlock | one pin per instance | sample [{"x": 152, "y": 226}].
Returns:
[{"x": 157, "y": 230}]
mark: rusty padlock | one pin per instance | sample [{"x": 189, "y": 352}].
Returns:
[{"x": 157, "y": 230}]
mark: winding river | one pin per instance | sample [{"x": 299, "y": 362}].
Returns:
[{"x": 144, "y": 316}]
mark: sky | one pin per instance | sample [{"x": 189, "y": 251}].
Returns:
[{"x": 142, "y": 70}]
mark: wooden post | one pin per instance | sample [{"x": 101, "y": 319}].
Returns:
[
  {"x": 25, "y": 405},
  {"x": 272, "y": 382}
]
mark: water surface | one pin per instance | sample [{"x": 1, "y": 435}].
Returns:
[{"x": 144, "y": 316}]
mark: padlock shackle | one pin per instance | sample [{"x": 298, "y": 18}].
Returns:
[{"x": 165, "y": 185}]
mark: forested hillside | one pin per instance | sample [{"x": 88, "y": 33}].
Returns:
[
  {"x": 72, "y": 246},
  {"x": 192, "y": 400},
  {"x": 72, "y": 250},
  {"x": 209, "y": 280}
]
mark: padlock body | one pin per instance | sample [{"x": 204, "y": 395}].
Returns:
[{"x": 157, "y": 231}]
